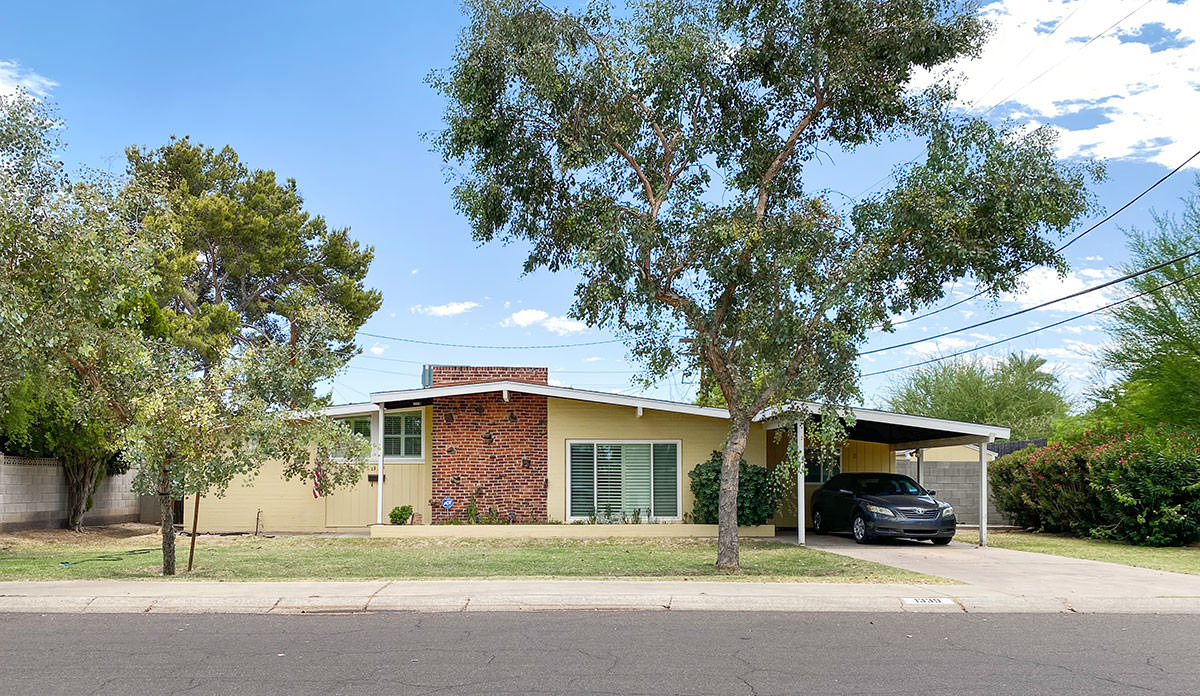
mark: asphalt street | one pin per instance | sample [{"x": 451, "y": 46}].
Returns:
[{"x": 656, "y": 653}]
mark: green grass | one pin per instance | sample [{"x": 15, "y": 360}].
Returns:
[
  {"x": 1174, "y": 559},
  {"x": 348, "y": 558}
]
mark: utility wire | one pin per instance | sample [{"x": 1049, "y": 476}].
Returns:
[
  {"x": 1080, "y": 293},
  {"x": 1068, "y": 57},
  {"x": 1033, "y": 331},
  {"x": 487, "y": 347},
  {"x": 1071, "y": 241}
]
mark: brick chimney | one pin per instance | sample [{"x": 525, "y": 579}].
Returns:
[{"x": 446, "y": 375}]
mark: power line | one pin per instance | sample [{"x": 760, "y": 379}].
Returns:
[
  {"x": 1033, "y": 331},
  {"x": 1066, "y": 58},
  {"x": 1080, "y": 293},
  {"x": 439, "y": 344},
  {"x": 1071, "y": 241},
  {"x": 1024, "y": 58},
  {"x": 555, "y": 371}
]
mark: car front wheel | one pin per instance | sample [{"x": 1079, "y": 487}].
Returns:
[
  {"x": 941, "y": 541},
  {"x": 861, "y": 533},
  {"x": 818, "y": 523}
]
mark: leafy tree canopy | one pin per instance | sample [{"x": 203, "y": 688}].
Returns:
[
  {"x": 1017, "y": 393},
  {"x": 1154, "y": 346},
  {"x": 661, "y": 154},
  {"x": 248, "y": 257},
  {"x": 80, "y": 267}
]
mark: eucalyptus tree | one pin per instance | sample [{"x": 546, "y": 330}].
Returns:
[{"x": 661, "y": 152}]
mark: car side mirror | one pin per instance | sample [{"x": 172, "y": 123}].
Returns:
[{"x": 930, "y": 493}]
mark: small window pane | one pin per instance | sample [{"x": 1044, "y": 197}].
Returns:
[
  {"x": 412, "y": 446},
  {"x": 412, "y": 424}
]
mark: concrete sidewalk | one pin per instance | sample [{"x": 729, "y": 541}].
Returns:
[{"x": 546, "y": 595}]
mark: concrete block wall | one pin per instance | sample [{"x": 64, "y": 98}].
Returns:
[
  {"x": 956, "y": 483},
  {"x": 33, "y": 495}
]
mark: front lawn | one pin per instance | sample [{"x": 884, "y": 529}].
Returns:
[
  {"x": 1174, "y": 559},
  {"x": 97, "y": 555}
]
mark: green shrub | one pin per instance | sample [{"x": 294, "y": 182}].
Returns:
[
  {"x": 1142, "y": 487},
  {"x": 1048, "y": 489},
  {"x": 1149, "y": 489},
  {"x": 401, "y": 515},
  {"x": 758, "y": 496}
]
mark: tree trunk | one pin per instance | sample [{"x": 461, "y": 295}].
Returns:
[
  {"x": 727, "y": 521},
  {"x": 166, "y": 508},
  {"x": 81, "y": 474}
]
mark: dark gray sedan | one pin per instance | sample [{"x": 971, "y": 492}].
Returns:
[{"x": 870, "y": 506}]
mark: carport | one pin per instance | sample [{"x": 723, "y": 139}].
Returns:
[{"x": 898, "y": 431}]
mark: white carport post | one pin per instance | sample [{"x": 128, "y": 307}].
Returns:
[
  {"x": 379, "y": 477},
  {"x": 921, "y": 466},
  {"x": 800, "y": 514},
  {"x": 983, "y": 491}
]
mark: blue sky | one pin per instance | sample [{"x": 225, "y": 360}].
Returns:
[{"x": 333, "y": 95}]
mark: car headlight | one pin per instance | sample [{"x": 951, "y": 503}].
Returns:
[
  {"x": 880, "y": 510},
  {"x": 947, "y": 511}
]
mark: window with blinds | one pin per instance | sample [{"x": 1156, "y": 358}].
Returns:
[
  {"x": 615, "y": 481},
  {"x": 402, "y": 434},
  {"x": 359, "y": 426}
]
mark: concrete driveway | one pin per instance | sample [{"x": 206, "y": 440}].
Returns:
[{"x": 1077, "y": 583}]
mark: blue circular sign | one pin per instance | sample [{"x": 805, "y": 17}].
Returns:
[{"x": 447, "y": 503}]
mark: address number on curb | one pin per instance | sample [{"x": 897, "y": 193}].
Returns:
[{"x": 928, "y": 600}]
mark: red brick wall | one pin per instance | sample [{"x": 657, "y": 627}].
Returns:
[
  {"x": 444, "y": 375},
  {"x": 492, "y": 450}
]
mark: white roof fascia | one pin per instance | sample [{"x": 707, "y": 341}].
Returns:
[
  {"x": 361, "y": 409},
  {"x": 551, "y": 391},
  {"x": 993, "y": 431}
]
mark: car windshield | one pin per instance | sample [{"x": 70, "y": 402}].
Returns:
[{"x": 887, "y": 485}]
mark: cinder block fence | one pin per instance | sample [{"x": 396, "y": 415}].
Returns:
[{"x": 33, "y": 495}]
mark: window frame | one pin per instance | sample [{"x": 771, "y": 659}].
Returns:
[
  {"x": 677, "y": 517},
  {"x": 822, "y": 473},
  {"x": 393, "y": 458}
]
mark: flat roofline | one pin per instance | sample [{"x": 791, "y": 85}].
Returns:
[{"x": 772, "y": 418}]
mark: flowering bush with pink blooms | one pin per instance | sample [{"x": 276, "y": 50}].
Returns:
[{"x": 1139, "y": 486}]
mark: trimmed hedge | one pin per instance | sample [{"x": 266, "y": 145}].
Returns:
[
  {"x": 1142, "y": 487},
  {"x": 758, "y": 496}
]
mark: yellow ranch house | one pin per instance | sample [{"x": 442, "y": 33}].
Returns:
[{"x": 504, "y": 442}]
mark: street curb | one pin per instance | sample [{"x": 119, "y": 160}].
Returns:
[{"x": 109, "y": 597}]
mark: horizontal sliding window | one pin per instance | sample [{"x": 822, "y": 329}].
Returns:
[{"x": 623, "y": 481}]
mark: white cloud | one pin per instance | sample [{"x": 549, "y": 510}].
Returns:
[
  {"x": 1044, "y": 284},
  {"x": 559, "y": 325},
  {"x": 14, "y": 75},
  {"x": 563, "y": 325},
  {"x": 376, "y": 349},
  {"x": 445, "y": 310},
  {"x": 415, "y": 271},
  {"x": 593, "y": 359},
  {"x": 1093, "y": 258},
  {"x": 1132, "y": 93},
  {"x": 525, "y": 317}
]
